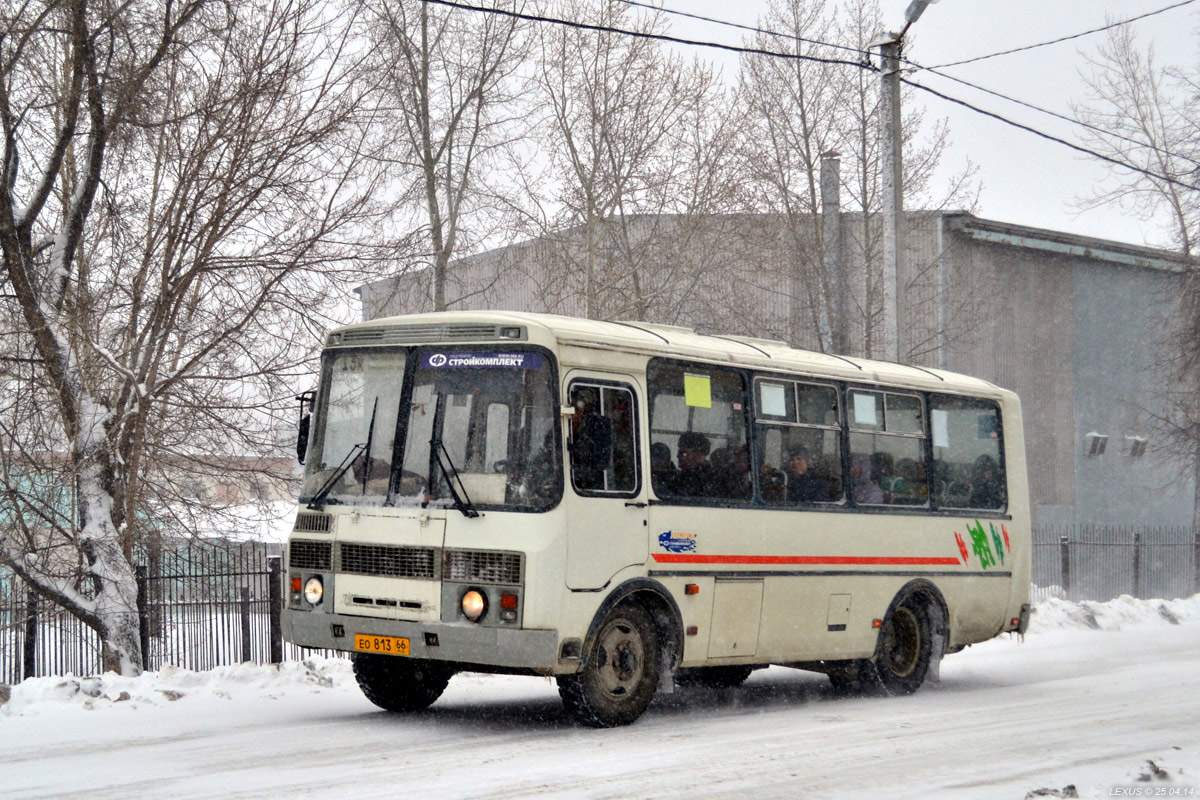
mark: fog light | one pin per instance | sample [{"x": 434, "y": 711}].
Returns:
[
  {"x": 474, "y": 605},
  {"x": 314, "y": 590}
]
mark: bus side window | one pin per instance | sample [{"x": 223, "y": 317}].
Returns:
[
  {"x": 698, "y": 442},
  {"x": 887, "y": 448},
  {"x": 603, "y": 442},
  {"x": 968, "y": 462}
]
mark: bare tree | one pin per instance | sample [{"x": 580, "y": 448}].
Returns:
[
  {"x": 793, "y": 102},
  {"x": 185, "y": 183},
  {"x": 617, "y": 111},
  {"x": 1145, "y": 115},
  {"x": 448, "y": 76}
]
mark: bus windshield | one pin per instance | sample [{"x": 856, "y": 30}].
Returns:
[
  {"x": 482, "y": 421},
  {"x": 350, "y": 457},
  {"x": 491, "y": 415}
]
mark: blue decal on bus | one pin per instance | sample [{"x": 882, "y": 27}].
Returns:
[
  {"x": 677, "y": 542},
  {"x": 481, "y": 361}
]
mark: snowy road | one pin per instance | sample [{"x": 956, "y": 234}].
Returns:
[{"x": 1069, "y": 706}]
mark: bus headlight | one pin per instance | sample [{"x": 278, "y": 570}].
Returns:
[
  {"x": 474, "y": 605},
  {"x": 314, "y": 590}
]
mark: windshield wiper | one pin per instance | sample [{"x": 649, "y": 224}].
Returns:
[
  {"x": 462, "y": 501},
  {"x": 317, "y": 499},
  {"x": 370, "y": 436},
  {"x": 351, "y": 457}
]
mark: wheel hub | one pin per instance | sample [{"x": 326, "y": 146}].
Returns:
[{"x": 620, "y": 659}]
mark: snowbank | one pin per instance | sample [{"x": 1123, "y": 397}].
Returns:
[
  {"x": 1055, "y": 613},
  {"x": 170, "y": 684}
]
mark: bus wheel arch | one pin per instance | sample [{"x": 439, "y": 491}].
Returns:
[{"x": 634, "y": 636}]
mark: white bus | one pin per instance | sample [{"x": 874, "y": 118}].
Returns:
[{"x": 628, "y": 507}]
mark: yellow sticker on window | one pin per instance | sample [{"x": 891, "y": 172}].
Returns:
[{"x": 697, "y": 390}]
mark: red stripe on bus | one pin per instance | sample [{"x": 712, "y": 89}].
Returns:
[{"x": 673, "y": 558}]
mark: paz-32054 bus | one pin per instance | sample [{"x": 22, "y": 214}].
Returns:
[{"x": 627, "y": 506}]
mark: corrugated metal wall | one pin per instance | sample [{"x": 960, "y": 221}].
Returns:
[{"x": 1013, "y": 315}]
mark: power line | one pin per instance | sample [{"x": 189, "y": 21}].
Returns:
[
  {"x": 1050, "y": 137},
  {"x": 646, "y": 35},
  {"x": 1063, "y": 38},
  {"x": 856, "y": 64},
  {"x": 1056, "y": 115},
  {"x": 750, "y": 28}
]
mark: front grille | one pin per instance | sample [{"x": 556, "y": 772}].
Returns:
[
  {"x": 395, "y": 562},
  {"x": 415, "y": 334},
  {"x": 310, "y": 555},
  {"x": 312, "y": 523},
  {"x": 481, "y": 566}
]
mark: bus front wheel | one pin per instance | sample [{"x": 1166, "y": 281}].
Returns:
[
  {"x": 620, "y": 671},
  {"x": 395, "y": 683}
]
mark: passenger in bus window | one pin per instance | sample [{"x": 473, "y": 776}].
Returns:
[
  {"x": 803, "y": 485},
  {"x": 987, "y": 487},
  {"x": 862, "y": 488},
  {"x": 734, "y": 476},
  {"x": 662, "y": 468},
  {"x": 695, "y": 478}
]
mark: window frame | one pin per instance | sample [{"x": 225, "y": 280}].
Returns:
[
  {"x": 569, "y": 461},
  {"x": 839, "y": 427},
  {"x": 746, "y": 375},
  {"x": 1002, "y": 457}
]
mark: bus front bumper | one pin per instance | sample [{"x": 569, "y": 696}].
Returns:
[{"x": 465, "y": 643}]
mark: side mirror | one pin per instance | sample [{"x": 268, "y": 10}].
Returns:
[{"x": 306, "y": 404}]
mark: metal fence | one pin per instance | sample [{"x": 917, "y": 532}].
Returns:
[
  {"x": 206, "y": 604},
  {"x": 203, "y": 604},
  {"x": 1092, "y": 562}
]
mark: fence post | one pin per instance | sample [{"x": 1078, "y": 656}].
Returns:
[
  {"x": 143, "y": 615},
  {"x": 245, "y": 623},
  {"x": 29, "y": 665},
  {"x": 275, "y": 596},
  {"x": 1196, "y": 562},
  {"x": 1137, "y": 564},
  {"x": 1064, "y": 549}
]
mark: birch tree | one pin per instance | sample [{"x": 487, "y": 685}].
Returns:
[{"x": 183, "y": 183}]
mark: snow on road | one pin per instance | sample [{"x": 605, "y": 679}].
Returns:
[{"x": 1112, "y": 710}]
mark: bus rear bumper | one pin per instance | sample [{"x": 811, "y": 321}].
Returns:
[{"x": 466, "y": 643}]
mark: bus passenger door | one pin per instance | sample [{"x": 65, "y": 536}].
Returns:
[{"x": 605, "y": 499}]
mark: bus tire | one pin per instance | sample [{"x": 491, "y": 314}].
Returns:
[
  {"x": 620, "y": 670},
  {"x": 713, "y": 677},
  {"x": 905, "y": 648},
  {"x": 399, "y": 684}
]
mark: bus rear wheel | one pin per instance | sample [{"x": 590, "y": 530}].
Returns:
[
  {"x": 620, "y": 671},
  {"x": 400, "y": 684},
  {"x": 905, "y": 648}
]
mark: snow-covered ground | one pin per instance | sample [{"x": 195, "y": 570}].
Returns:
[{"x": 1102, "y": 697}]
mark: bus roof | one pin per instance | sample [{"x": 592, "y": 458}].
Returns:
[{"x": 453, "y": 327}]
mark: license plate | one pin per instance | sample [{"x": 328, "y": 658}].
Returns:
[{"x": 391, "y": 645}]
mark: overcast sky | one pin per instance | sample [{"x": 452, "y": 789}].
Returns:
[{"x": 1026, "y": 180}]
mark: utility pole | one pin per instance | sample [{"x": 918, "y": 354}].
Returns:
[
  {"x": 890, "y": 46},
  {"x": 893, "y": 196}
]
